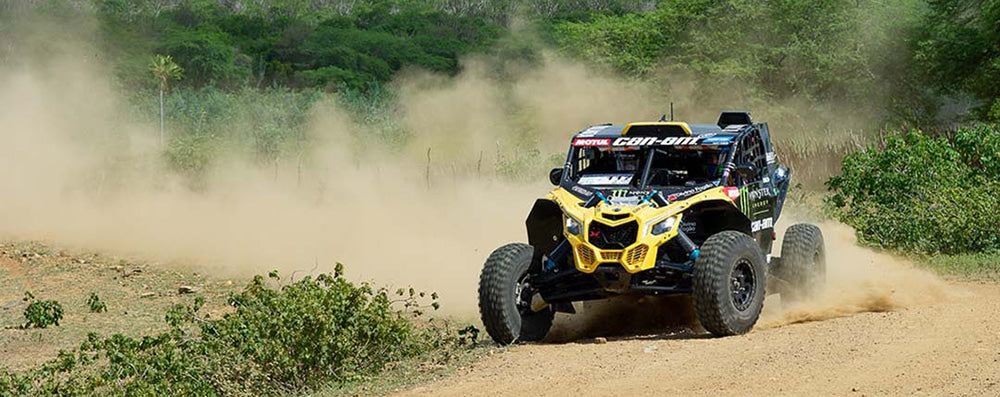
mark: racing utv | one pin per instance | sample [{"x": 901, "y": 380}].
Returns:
[{"x": 656, "y": 208}]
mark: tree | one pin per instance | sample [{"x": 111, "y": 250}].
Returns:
[
  {"x": 958, "y": 49},
  {"x": 164, "y": 69}
]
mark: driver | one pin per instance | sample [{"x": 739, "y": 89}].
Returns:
[
  {"x": 627, "y": 161},
  {"x": 711, "y": 163}
]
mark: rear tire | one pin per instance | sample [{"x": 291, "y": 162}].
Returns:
[
  {"x": 729, "y": 281},
  {"x": 505, "y": 296},
  {"x": 803, "y": 263}
]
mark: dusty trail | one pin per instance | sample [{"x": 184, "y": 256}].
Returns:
[{"x": 946, "y": 348}]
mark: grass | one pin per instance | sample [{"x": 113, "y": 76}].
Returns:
[
  {"x": 271, "y": 127},
  {"x": 136, "y": 296},
  {"x": 970, "y": 267},
  {"x": 807, "y": 206}
]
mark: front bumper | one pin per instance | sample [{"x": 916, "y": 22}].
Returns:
[
  {"x": 636, "y": 255},
  {"x": 610, "y": 280}
]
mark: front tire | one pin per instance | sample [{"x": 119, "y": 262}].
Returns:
[
  {"x": 803, "y": 263},
  {"x": 505, "y": 296},
  {"x": 729, "y": 281}
]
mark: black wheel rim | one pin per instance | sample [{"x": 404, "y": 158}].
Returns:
[
  {"x": 742, "y": 284},
  {"x": 523, "y": 293}
]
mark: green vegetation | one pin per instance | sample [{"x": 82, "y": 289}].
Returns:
[
  {"x": 95, "y": 304},
  {"x": 814, "y": 52},
  {"x": 253, "y": 71},
  {"x": 925, "y": 195},
  {"x": 306, "y": 335},
  {"x": 958, "y": 48},
  {"x": 41, "y": 313},
  {"x": 830, "y": 50},
  {"x": 164, "y": 69},
  {"x": 333, "y": 45},
  {"x": 980, "y": 266}
]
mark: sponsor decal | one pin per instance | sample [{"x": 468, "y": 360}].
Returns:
[
  {"x": 718, "y": 140},
  {"x": 667, "y": 141},
  {"x": 628, "y": 193},
  {"x": 689, "y": 227},
  {"x": 589, "y": 132},
  {"x": 606, "y": 179},
  {"x": 732, "y": 192},
  {"x": 690, "y": 192},
  {"x": 761, "y": 193},
  {"x": 581, "y": 142},
  {"x": 761, "y": 224},
  {"x": 582, "y": 191},
  {"x": 771, "y": 157},
  {"x": 624, "y": 200}
]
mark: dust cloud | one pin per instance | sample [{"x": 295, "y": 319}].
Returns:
[
  {"x": 859, "y": 280},
  {"x": 79, "y": 171}
]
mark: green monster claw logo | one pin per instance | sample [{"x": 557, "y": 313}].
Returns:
[{"x": 744, "y": 203}]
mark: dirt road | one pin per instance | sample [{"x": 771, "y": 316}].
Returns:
[
  {"x": 881, "y": 327},
  {"x": 946, "y": 348}
]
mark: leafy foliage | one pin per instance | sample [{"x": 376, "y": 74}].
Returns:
[
  {"x": 808, "y": 50},
  {"x": 165, "y": 69},
  {"x": 95, "y": 304},
  {"x": 923, "y": 194},
  {"x": 292, "y": 43},
  {"x": 892, "y": 57},
  {"x": 41, "y": 313},
  {"x": 299, "y": 337},
  {"x": 958, "y": 52}
]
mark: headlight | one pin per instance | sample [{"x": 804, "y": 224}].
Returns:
[
  {"x": 664, "y": 226},
  {"x": 572, "y": 226}
]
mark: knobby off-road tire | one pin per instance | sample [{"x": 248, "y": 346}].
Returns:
[
  {"x": 803, "y": 263},
  {"x": 729, "y": 281},
  {"x": 500, "y": 292}
]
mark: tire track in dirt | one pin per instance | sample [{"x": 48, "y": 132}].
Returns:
[
  {"x": 950, "y": 347},
  {"x": 880, "y": 327}
]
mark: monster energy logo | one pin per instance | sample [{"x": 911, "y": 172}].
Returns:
[{"x": 744, "y": 203}]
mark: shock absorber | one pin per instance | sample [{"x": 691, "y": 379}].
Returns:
[
  {"x": 557, "y": 255},
  {"x": 687, "y": 244}
]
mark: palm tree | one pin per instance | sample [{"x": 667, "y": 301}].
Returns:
[{"x": 164, "y": 69}]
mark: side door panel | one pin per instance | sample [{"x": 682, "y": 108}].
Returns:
[{"x": 757, "y": 193}]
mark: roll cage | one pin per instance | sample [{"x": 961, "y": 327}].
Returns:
[{"x": 749, "y": 151}]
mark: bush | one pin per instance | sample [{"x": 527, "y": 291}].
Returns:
[
  {"x": 41, "y": 313},
  {"x": 923, "y": 194},
  {"x": 306, "y": 335},
  {"x": 95, "y": 304}
]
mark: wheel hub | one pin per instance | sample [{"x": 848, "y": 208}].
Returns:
[
  {"x": 742, "y": 284},
  {"x": 523, "y": 293}
]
